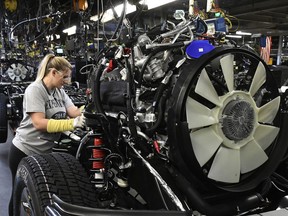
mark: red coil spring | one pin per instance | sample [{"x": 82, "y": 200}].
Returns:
[{"x": 99, "y": 154}]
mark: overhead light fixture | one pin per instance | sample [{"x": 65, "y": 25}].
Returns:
[
  {"x": 243, "y": 33},
  {"x": 283, "y": 88},
  {"x": 108, "y": 14},
  {"x": 94, "y": 18},
  {"x": 71, "y": 30},
  {"x": 256, "y": 35},
  {"x": 233, "y": 36},
  {"x": 154, "y": 4},
  {"x": 209, "y": 4}
]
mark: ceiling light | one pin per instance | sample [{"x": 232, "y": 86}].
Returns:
[
  {"x": 71, "y": 30},
  {"x": 94, "y": 18},
  {"x": 108, "y": 14},
  {"x": 243, "y": 33},
  {"x": 153, "y": 3},
  {"x": 233, "y": 36},
  {"x": 209, "y": 5},
  {"x": 256, "y": 35},
  {"x": 283, "y": 88}
]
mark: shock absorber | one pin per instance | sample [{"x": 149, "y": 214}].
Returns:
[{"x": 98, "y": 155}]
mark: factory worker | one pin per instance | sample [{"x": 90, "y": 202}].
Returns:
[{"x": 47, "y": 111}]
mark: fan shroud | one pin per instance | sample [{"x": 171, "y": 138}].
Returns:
[{"x": 225, "y": 120}]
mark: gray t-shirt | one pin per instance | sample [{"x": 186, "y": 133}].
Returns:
[{"x": 37, "y": 98}]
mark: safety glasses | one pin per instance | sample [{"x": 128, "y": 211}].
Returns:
[{"x": 66, "y": 78}]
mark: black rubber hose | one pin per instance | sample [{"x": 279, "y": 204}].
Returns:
[
  {"x": 31, "y": 20},
  {"x": 120, "y": 20},
  {"x": 160, "y": 109},
  {"x": 193, "y": 196},
  {"x": 158, "y": 95},
  {"x": 130, "y": 111},
  {"x": 96, "y": 89}
]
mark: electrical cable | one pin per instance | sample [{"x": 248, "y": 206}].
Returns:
[
  {"x": 93, "y": 67},
  {"x": 98, "y": 26},
  {"x": 32, "y": 40},
  {"x": 120, "y": 25},
  {"x": 39, "y": 14},
  {"x": 130, "y": 110},
  {"x": 30, "y": 20},
  {"x": 161, "y": 194}
]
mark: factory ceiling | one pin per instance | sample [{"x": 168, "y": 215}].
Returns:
[
  {"x": 34, "y": 20},
  {"x": 259, "y": 16},
  {"x": 256, "y": 16}
]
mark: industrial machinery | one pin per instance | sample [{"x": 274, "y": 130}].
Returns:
[
  {"x": 15, "y": 77},
  {"x": 177, "y": 124}
]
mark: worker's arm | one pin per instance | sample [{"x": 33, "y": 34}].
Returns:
[
  {"x": 55, "y": 125},
  {"x": 73, "y": 111},
  {"x": 39, "y": 121}
]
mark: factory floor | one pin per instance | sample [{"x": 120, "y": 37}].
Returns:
[{"x": 5, "y": 176}]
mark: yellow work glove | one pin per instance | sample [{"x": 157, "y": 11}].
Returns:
[
  {"x": 81, "y": 108},
  {"x": 60, "y": 125}
]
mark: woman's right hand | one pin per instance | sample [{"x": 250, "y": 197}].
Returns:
[{"x": 79, "y": 122}]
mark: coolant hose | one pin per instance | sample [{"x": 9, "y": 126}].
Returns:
[
  {"x": 159, "y": 94},
  {"x": 96, "y": 89},
  {"x": 129, "y": 99},
  {"x": 199, "y": 204},
  {"x": 160, "y": 109}
]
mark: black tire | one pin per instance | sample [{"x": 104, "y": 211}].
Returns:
[
  {"x": 3, "y": 118},
  {"x": 40, "y": 176}
]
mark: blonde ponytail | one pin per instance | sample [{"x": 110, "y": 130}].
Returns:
[{"x": 52, "y": 61}]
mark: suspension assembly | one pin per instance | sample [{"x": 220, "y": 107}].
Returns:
[{"x": 98, "y": 154}]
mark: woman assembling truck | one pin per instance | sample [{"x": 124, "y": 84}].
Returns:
[{"x": 47, "y": 111}]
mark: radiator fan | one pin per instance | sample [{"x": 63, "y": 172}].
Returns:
[
  {"x": 17, "y": 72},
  {"x": 228, "y": 104}
]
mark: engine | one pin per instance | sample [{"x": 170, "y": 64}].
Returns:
[{"x": 196, "y": 121}]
